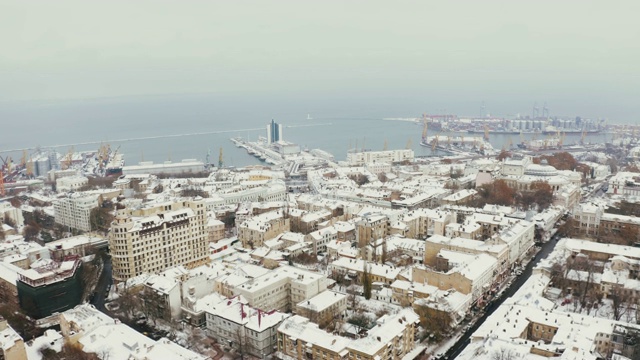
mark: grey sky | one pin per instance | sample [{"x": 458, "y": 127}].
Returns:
[{"x": 581, "y": 53}]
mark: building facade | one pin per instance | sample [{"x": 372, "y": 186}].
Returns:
[
  {"x": 55, "y": 287},
  {"x": 154, "y": 243},
  {"x": 74, "y": 210}
]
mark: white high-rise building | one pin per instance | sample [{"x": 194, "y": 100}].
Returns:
[{"x": 75, "y": 210}]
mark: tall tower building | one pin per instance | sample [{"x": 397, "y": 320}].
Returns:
[{"x": 274, "y": 132}]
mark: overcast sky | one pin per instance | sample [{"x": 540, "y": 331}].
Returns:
[{"x": 573, "y": 54}]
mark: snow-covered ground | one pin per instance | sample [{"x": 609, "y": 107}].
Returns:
[{"x": 604, "y": 309}]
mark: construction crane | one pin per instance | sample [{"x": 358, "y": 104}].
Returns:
[
  {"x": 116, "y": 152},
  {"x": 68, "y": 160},
  {"x": 103, "y": 155},
  {"x": 560, "y": 139},
  {"x": 220, "y": 159},
  {"x": 29, "y": 167},
  {"x": 2, "y": 191},
  {"x": 23, "y": 160},
  {"x": 7, "y": 165}
]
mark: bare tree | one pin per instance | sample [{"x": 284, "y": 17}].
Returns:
[
  {"x": 240, "y": 342},
  {"x": 619, "y": 301},
  {"x": 353, "y": 298},
  {"x": 360, "y": 321},
  {"x": 154, "y": 306},
  {"x": 503, "y": 354},
  {"x": 129, "y": 301}
]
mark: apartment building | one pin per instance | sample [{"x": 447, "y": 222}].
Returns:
[
  {"x": 50, "y": 288},
  {"x": 154, "y": 243},
  {"x": 320, "y": 238},
  {"x": 255, "y": 231},
  {"x": 406, "y": 292},
  {"x": 281, "y": 289},
  {"x": 74, "y": 210},
  {"x": 301, "y": 339},
  {"x": 588, "y": 218},
  {"x": 306, "y": 222},
  {"x": 13, "y": 213},
  {"x": 467, "y": 274},
  {"x": 371, "y": 228},
  {"x": 323, "y": 308},
  {"x": 391, "y": 339},
  {"x": 354, "y": 269},
  {"x": 71, "y": 183},
  {"x": 346, "y": 231},
  {"x": 468, "y": 230},
  {"x": 215, "y": 229},
  {"x": 436, "y": 243},
  {"x": 11, "y": 344},
  {"x": 235, "y": 324},
  {"x": 518, "y": 236}
]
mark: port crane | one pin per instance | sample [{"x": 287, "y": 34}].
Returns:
[
  {"x": 29, "y": 167},
  {"x": 115, "y": 153},
  {"x": 434, "y": 143},
  {"x": 68, "y": 160},
  {"x": 424, "y": 128}
]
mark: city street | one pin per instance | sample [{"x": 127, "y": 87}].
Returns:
[
  {"x": 457, "y": 348},
  {"x": 105, "y": 281}
]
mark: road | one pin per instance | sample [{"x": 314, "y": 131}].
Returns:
[
  {"x": 100, "y": 292},
  {"x": 457, "y": 348}
]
